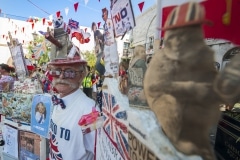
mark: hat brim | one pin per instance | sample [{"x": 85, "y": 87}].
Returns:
[
  {"x": 64, "y": 61},
  {"x": 205, "y": 21}
]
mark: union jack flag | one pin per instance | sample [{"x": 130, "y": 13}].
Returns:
[
  {"x": 73, "y": 24},
  {"x": 54, "y": 152},
  {"x": 113, "y": 123}
]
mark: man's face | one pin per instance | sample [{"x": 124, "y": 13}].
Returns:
[
  {"x": 67, "y": 78},
  {"x": 104, "y": 16}
]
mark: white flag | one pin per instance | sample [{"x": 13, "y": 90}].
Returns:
[{"x": 66, "y": 10}]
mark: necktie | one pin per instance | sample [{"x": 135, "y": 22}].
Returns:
[
  {"x": 58, "y": 101},
  {"x": 40, "y": 119}
]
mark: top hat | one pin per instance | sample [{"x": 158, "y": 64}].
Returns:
[{"x": 187, "y": 14}]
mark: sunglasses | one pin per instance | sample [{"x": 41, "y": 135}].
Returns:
[{"x": 67, "y": 73}]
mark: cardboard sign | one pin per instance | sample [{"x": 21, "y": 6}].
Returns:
[
  {"x": 139, "y": 151},
  {"x": 122, "y": 16}
]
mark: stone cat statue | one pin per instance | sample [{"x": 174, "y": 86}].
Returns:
[{"x": 183, "y": 88}]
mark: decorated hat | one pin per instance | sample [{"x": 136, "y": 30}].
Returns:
[
  {"x": 191, "y": 13},
  {"x": 67, "y": 61}
]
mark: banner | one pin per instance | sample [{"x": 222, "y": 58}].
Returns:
[{"x": 122, "y": 16}]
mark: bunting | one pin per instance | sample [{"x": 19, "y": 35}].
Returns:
[
  {"x": 66, "y": 11},
  {"x": 58, "y": 13},
  {"x": 76, "y": 6},
  {"x": 140, "y": 5}
]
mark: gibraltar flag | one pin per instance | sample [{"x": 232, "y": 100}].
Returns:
[{"x": 225, "y": 15}]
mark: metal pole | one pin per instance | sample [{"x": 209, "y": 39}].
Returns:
[
  {"x": 158, "y": 20},
  {"x": 157, "y": 35}
]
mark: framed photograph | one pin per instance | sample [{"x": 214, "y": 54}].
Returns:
[{"x": 29, "y": 145}]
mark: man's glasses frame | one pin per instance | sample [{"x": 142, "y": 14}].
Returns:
[{"x": 67, "y": 73}]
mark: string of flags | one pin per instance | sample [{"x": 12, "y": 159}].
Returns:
[{"x": 48, "y": 21}]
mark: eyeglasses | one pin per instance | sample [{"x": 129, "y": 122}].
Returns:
[{"x": 67, "y": 73}]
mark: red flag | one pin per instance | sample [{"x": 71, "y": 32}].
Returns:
[
  {"x": 140, "y": 5},
  {"x": 23, "y": 29},
  {"x": 44, "y": 19},
  {"x": 223, "y": 28},
  {"x": 76, "y": 6},
  {"x": 98, "y": 24},
  {"x": 32, "y": 25},
  {"x": 58, "y": 14},
  {"x": 3, "y": 36}
]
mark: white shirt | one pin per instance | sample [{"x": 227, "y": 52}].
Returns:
[{"x": 66, "y": 138}]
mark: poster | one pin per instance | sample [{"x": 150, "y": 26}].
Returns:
[
  {"x": 112, "y": 138},
  {"x": 17, "y": 107},
  {"x": 10, "y": 136},
  {"x": 122, "y": 16},
  {"x": 29, "y": 146},
  {"x": 40, "y": 114}
]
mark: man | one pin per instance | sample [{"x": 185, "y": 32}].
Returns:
[
  {"x": 66, "y": 138},
  {"x": 87, "y": 83},
  {"x": 111, "y": 58}
]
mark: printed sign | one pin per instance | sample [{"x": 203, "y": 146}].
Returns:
[
  {"x": 40, "y": 114},
  {"x": 122, "y": 16}
]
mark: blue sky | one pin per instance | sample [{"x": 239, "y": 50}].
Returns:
[{"x": 85, "y": 15}]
